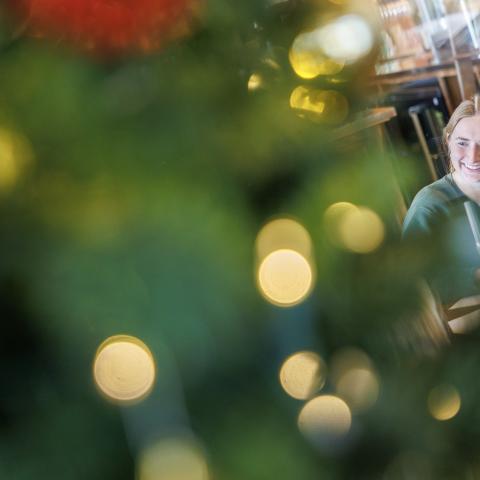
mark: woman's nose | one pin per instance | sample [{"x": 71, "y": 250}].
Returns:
[{"x": 475, "y": 152}]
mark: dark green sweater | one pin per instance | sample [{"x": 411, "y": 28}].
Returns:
[{"x": 437, "y": 220}]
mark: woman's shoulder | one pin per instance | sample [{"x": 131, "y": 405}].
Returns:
[
  {"x": 438, "y": 193},
  {"x": 430, "y": 204}
]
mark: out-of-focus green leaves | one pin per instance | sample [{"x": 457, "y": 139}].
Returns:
[
  {"x": 165, "y": 258},
  {"x": 70, "y": 440}
]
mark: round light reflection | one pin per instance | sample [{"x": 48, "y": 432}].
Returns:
[
  {"x": 359, "y": 387},
  {"x": 346, "y": 359},
  {"x": 327, "y": 106},
  {"x": 283, "y": 233},
  {"x": 355, "y": 379},
  {"x": 346, "y": 39},
  {"x": 333, "y": 217},
  {"x": 444, "y": 402},
  {"x": 124, "y": 369},
  {"x": 285, "y": 277},
  {"x": 303, "y": 374},
  {"x": 325, "y": 417},
  {"x": 308, "y": 60},
  {"x": 361, "y": 230}
]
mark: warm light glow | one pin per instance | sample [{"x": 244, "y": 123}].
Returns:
[
  {"x": 346, "y": 359},
  {"x": 285, "y": 277},
  {"x": 333, "y": 217},
  {"x": 283, "y": 233},
  {"x": 326, "y": 417},
  {"x": 303, "y": 374},
  {"x": 254, "y": 82},
  {"x": 308, "y": 60},
  {"x": 172, "y": 459},
  {"x": 15, "y": 155},
  {"x": 346, "y": 39},
  {"x": 444, "y": 402},
  {"x": 359, "y": 387},
  {"x": 124, "y": 369},
  {"x": 300, "y": 100},
  {"x": 327, "y": 106},
  {"x": 361, "y": 230},
  {"x": 355, "y": 379}
]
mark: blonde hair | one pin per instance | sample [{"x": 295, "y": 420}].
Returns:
[{"x": 468, "y": 108}]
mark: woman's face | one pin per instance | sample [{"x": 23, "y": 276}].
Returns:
[{"x": 464, "y": 143}]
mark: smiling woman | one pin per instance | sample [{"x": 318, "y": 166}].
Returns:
[
  {"x": 438, "y": 212},
  {"x": 464, "y": 145}
]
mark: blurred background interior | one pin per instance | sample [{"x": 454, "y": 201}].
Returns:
[{"x": 201, "y": 271}]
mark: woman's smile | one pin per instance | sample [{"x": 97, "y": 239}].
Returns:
[{"x": 465, "y": 151}]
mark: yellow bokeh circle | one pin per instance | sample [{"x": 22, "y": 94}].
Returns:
[
  {"x": 325, "y": 416},
  {"x": 308, "y": 60},
  {"x": 303, "y": 374},
  {"x": 324, "y": 106},
  {"x": 444, "y": 402},
  {"x": 285, "y": 277},
  {"x": 124, "y": 369},
  {"x": 361, "y": 230},
  {"x": 283, "y": 233}
]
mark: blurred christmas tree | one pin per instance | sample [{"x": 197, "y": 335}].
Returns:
[{"x": 142, "y": 147}]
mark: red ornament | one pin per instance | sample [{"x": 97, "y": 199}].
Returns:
[{"x": 107, "y": 26}]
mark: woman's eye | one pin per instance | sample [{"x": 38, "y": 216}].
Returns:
[{"x": 462, "y": 144}]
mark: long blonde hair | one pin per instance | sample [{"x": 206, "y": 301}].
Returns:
[{"x": 468, "y": 108}]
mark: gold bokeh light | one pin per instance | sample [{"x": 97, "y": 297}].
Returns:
[
  {"x": 347, "y": 39},
  {"x": 172, "y": 459},
  {"x": 325, "y": 416},
  {"x": 283, "y": 233},
  {"x": 327, "y": 106},
  {"x": 349, "y": 357},
  {"x": 303, "y": 374},
  {"x": 255, "y": 81},
  {"x": 444, "y": 402},
  {"x": 124, "y": 369},
  {"x": 333, "y": 217},
  {"x": 15, "y": 155},
  {"x": 361, "y": 230},
  {"x": 300, "y": 100},
  {"x": 308, "y": 60},
  {"x": 355, "y": 379},
  {"x": 359, "y": 387},
  {"x": 285, "y": 277}
]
